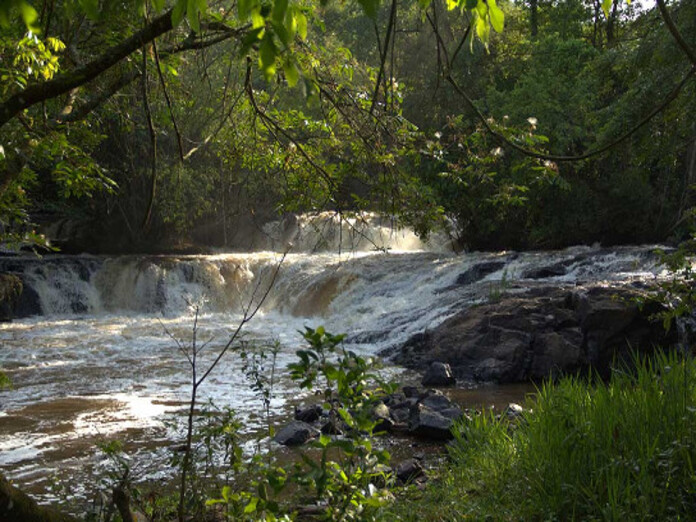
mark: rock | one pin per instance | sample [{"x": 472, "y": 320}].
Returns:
[
  {"x": 454, "y": 413},
  {"x": 332, "y": 427},
  {"x": 309, "y": 413},
  {"x": 408, "y": 471},
  {"x": 381, "y": 411},
  {"x": 479, "y": 271},
  {"x": 438, "y": 374},
  {"x": 410, "y": 391},
  {"x": 400, "y": 415},
  {"x": 10, "y": 292},
  {"x": 546, "y": 272},
  {"x": 383, "y": 418},
  {"x": 295, "y": 434},
  {"x": 437, "y": 402},
  {"x": 546, "y": 332},
  {"x": 29, "y": 303},
  {"x": 513, "y": 411},
  {"x": 430, "y": 424}
]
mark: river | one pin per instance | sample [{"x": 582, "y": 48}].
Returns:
[{"x": 101, "y": 358}]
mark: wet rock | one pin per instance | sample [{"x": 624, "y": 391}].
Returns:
[
  {"x": 10, "y": 292},
  {"x": 438, "y": 374},
  {"x": 295, "y": 434},
  {"x": 479, "y": 271},
  {"x": 545, "y": 272},
  {"x": 309, "y": 413},
  {"x": 408, "y": 471},
  {"x": 430, "y": 424},
  {"x": 546, "y": 332}
]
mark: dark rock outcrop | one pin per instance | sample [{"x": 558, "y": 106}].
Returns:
[
  {"x": 10, "y": 293},
  {"x": 546, "y": 332},
  {"x": 439, "y": 374},
  {"x": 479, "y": 271}
]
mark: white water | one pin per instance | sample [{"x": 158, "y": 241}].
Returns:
[{"x": 100, "y": 363}]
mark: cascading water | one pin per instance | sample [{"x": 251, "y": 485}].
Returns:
[{"x": 98, "y": 359}]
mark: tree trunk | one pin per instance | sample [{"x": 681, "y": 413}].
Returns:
[{"x": 16, "y": 506}]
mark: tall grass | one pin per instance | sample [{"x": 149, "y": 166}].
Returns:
[{"x": 625, "y": 450}]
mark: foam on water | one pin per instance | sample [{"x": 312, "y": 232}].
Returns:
[{"x": 101, "y": 362}]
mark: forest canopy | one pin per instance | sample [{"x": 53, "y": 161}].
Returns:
[{"x": 530, "y": 124}]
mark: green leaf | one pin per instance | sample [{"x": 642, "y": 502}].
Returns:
[
  {"x": 606, "y": 5},
  {"x": 424, "y": 3},
  {"x": 192, "y": 15},
  {"x": 158, "y": 4},
  {"x": 483, "y": 30},
  {"x": 267, "y": 56},
  {"x": 301, "y": 20},
  {"x": 251, "y": 506},
  {"x": 178, "y": 12},
  {"x": 472, "y": 4},
  {"x": 370, "y": 7},
  {"x": 91, "y": 8},
  {"x": 257, "y": 19},
  {"x": 30, "y": 17},
  {"x": 497, "y": 16},
  {"x": 280, "y": 7},
  {"x": 292, "y": 75},
  {"x": 244, "y": 9}
]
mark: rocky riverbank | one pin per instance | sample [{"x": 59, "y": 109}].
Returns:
[{"x": 545, "y": 331}]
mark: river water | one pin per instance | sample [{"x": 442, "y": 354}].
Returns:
[{"x": 103, "y": 358}]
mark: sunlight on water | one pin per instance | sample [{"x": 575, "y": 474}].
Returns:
[{"x": 103, "y": 363}]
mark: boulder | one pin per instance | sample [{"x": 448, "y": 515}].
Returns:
[
  {"x": 479, "y": 271},
  {"x": 543, "y": 333},
  {"x": 10, "y": 293},
  {"x": 436, "y": 401},
  {"x": 295, "y": 434},
  {"x": 438, "y": 374},
  {"x": 309, "y": 413},
  {"x": 430, "y": 424},
  {"x": 408, "y": 471}
]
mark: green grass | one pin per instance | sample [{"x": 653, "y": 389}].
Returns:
[{"x": 587, "y": 451}]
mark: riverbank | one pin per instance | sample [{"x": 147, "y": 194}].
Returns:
[{"x": 580, "y": 451}]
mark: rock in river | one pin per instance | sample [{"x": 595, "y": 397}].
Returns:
[
  {"x": 547, "y": 332},
  {"x": 295, "y": 434},
  {"x": 439, "y": 374}
]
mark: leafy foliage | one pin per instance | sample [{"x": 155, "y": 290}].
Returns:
[{"x": 581, "y": 451}]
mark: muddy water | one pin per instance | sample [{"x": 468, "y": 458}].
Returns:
[{"x": 103, "y": 361}]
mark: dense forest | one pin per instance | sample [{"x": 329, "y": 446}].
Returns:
[{"x": 194, "y": 133}]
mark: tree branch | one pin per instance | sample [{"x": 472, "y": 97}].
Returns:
[{"x": 65, "y": 82}]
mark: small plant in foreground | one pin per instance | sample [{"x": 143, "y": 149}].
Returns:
[{"x": 346, "y": 479}]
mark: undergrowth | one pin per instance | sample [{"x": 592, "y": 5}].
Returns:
[{"x": 583, "y": 450}]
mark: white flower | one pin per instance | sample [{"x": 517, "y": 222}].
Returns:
[{"x": 532, "y": 121}]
